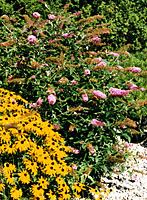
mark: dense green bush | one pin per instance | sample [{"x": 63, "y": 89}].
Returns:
[
  {"x": 127, "y": 18},
  {"x": 59, "y": 67}
]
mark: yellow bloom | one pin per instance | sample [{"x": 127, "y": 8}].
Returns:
[
  {"x": 2, "y": 186},
  {"x": 43, "y": 182},
  {"x": 15, "y": 193},
  {"x": 24, "y": 177},
  {"x": 37, "y": 191},
  {"x": 31, "y": 166},
  {"x": 51, "y": 195}
]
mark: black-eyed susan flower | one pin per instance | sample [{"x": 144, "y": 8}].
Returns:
[
  {"x": 37, "y": 190},
  {"x": 51, "y": 195},
  {"x": 24, "y": 177},
  {"x": 9, "y": 168},
  {"x": 43, "y": 182},
  {"x": 30, "y": 165},
  {"x": 2, "y": 186},
  {"x": 15, "y": 193}
]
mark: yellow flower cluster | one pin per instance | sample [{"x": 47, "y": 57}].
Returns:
[
  {"x": 32, "y": 162},
  {"x": 32, "y": 154}
]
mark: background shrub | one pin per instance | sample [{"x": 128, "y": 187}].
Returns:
[{"x": 65, "y": 62}]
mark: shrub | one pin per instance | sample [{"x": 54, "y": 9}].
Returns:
[{"x": 58, "y": 66}]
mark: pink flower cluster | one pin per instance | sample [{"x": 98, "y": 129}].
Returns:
[
  {"x": 113, "y": 54},
  {"x": 67, "y": 35},
  {"x": 37, "y": 104},
  {"x": 95, "y": 122},
  {"x": 99, "y": 94},
  {"x": 32, "y": 39},
  {"x": 51, "y": 16},
  {"x": 87, "y": 72},
  {"x": 74, "y": 82},
  {"x": 51, "y": 99},
  {"x": 96, "y": 39},
  {"x": 98, "y": 60},
  {"x": 85, "y": 97},
  {"x": 101, "y": 64},
  {"x": 36, "y": 15},
  {"x": 118, "y": 92},
  {"x": 75, "y": 151},
  {"x": 134, "y": 69}
]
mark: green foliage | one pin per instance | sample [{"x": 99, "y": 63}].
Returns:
[{"x": 54, "y": 64}]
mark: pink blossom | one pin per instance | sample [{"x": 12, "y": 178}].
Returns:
[
  {"x": 60, "y": 89},
  {"x": 72, "y": 57},
  {"x": 134, "y": 69},
  {"x": 75, "y": 151},
  {"x": 39, "y": 102},
  {"x": 32, "y": 105},
  {"x": 84, "y": 97},
  {"x": 142, "y": 89},
  {"x": 92, "y": 151},
  {"x": 87, "y": 72},
  {"x": 51, "y": 16},
  {"x": 127, "y": 145},
  {"x": 74, "y": 82},
  {"x": 36, "y": 15},
  {"x": 96, "y": 39},
  {"x": 98, "y": 60},
  {"x": 74, "y": 166},
  {"x": 102, "y": 64},
  {"x": 127, "y": 53},
  {"x": 122, "y": 126},
  {"x": 99, "y": 94},
  {"x": 119, "y": 67},
  {"x": 118, "y": 92},
  {"x": 56, "y": 126},
  {"x": 121, "y": 151},
  {"x": 132, "y": 86},
  {"x": 113, "y": 54},
  {"x": 32, "y": 39},
  {"x": 134, "y": 177},
  {"x": 44, "y": 64},
  {"x": 67, "y": 35},
  {"x": 77, "y": 13},
  {"x": 95, "y": 122},
  {"x": 51, "y": 99},
  {"x": 33, "y": 76}
]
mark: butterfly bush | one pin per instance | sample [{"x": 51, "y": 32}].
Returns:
[{"x": 68, "y": 78}]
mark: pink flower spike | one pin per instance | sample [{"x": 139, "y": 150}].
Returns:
[
  {"x": 118, "y": 92},
  {"x": 98, "y": 60},
  {"x": 39, "y": 102},
  {"x": 36, "y": 15},
  {"x": 95, "y": 122},
  {"x": 87, "y": 72},
  {"x": 92, "y": 151},
  {"x": 76, "y": 151},
  {"x": 102, "y": 64},
  {"x": 142, "y": 89},
  {"x": 113, "y": 54},
  {"x": 51, "y": 99},
  {"x": 56, "y": 126},
  {"x": 133, "y": 86},
  {"x": 51, "y": 16},
  {"x": 85, "y": 97},
  {"x": 32, "y": 38},
  {"x": 74, "y": 166},
  {"x": 119, "y": 67},
  {"x": 134, "y": 69},
  {"x": 74, "y": 82},
  {"x": 99, "y": 94}
]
